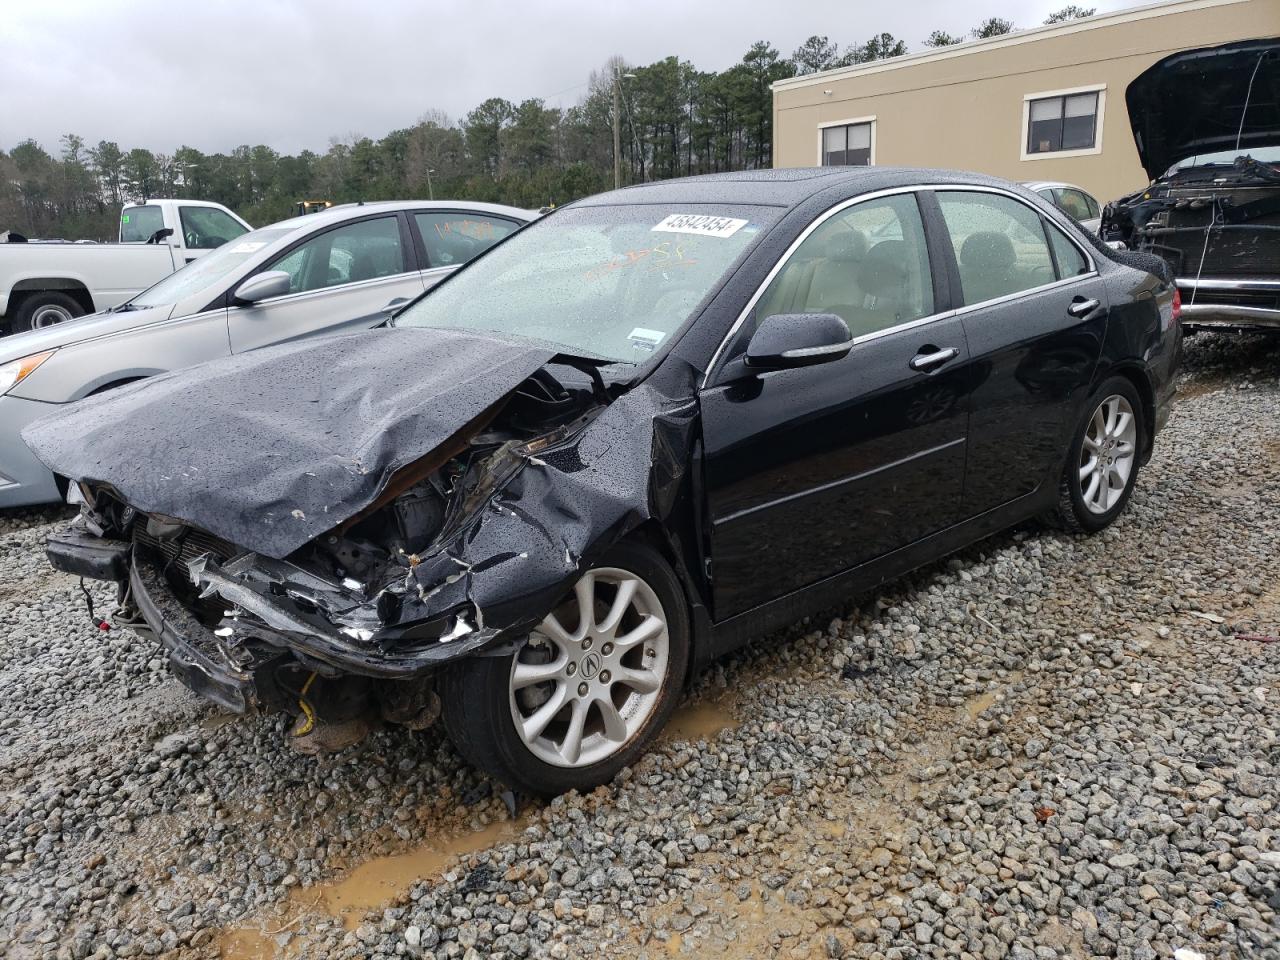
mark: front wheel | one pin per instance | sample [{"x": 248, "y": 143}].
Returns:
[
  {"x": 1102, "y": 465},
  {"x": 590, "y": 690}
]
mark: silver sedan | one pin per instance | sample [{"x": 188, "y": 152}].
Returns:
[
  {"x": 330, "y": 272},
  {"x": 1071, "y": 200}
]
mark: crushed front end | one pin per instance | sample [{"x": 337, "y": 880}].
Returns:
[{"x": 349, "y": 629}]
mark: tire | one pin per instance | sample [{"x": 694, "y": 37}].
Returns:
[
  {"x": 482, "y": 697},
  {"x": 1104, "y": 459},
  {"x": 43, "y": 309}
]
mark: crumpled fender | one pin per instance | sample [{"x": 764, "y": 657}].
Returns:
[{"x": 522, "y": 551}]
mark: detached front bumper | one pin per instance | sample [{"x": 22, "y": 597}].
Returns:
[
  {"x": 1230, "y": 304},
  {"x": 196, "y": 656},
  {"x": 270, "y": 623}
]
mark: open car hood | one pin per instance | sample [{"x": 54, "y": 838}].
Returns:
[
  {"x": 270, "y": 449},
  {"x": 1193, "y": 102}
]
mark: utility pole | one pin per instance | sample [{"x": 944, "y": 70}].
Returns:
[
  {"x": 618, "y": 77},
  {"x": 617, "y": 127},
  {"x": 431, "y": 194}
]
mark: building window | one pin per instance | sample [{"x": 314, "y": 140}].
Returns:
[
  {"x": 1061, "y": 123},
  {"x": 847, "y": 145}
]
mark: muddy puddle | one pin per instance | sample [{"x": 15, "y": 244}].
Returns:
[
  {"x": 248, "y": 944},
  {"x": 375, "y": 884},
  {"x": 701, "y": 720},
  {"x": 378, "y": 882}
]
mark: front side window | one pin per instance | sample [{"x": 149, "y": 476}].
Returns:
[
  {"x": 451, "y": 239},
  {"x": 205, "y": 228},
  {"x": 348, "y": 254},
  {"x": 847, "y": 146},
  {"x": 999, "y": 243},
  {"x": 137, "y": 224},
  {"x": 1068, "y": 122},
  {"x": 609, "y": 282},
  {"x": 869, "y": 265}
]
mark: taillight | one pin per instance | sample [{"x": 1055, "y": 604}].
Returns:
[{"x": 1177, "y": 305}]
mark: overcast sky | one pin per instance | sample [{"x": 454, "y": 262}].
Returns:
[{"x": 295, "y": 74}]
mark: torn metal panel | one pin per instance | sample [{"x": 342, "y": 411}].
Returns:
[
  {"x": 516, "y": 543},
  {"x": 272, "y": 448}
]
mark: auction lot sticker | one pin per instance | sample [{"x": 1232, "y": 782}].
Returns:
[{"x": 703, "y": 225}]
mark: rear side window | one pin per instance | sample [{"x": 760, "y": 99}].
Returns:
[
  {"x": 1076, "y": 204},
  {"x": 137, "y": 224},
  {"x": 205, "y": 228},
  {"x": 1071, "y": 261},
  {"x": 452, "y": 239},
  {"x": 999, "y": 243}
]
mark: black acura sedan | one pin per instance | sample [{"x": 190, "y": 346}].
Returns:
[{"x": 634, "y": 434}]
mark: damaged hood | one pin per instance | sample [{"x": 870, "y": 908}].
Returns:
[
  {"x": 270, "y": 449},
  {"x": 1194, "y": 102}
]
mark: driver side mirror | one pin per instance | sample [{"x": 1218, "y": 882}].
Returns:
[
  {"x": 264, "y": 286},
  {"x": 787, "y": 340}
]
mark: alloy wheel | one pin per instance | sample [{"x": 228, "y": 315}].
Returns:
[
  {"x": 593, "y": 670},
  {"x": 1107, "y": 454}
]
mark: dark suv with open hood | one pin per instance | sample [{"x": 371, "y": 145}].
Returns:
[{"x": 1207, "y": 127}]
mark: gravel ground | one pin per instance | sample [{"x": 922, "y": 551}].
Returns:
[{"x": 1045, "y": 746}]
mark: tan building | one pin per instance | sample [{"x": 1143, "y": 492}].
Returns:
[{"x": 1042, "y": 104}]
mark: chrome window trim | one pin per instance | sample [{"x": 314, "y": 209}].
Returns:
[
  {"x": 996, "y": 301},
  {"x": 919, "y": 321}
]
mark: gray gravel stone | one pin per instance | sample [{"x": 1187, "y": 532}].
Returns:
[{"x": 1044, "y": 746}]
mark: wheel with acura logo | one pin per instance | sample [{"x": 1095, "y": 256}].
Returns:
[
  {"x": 1102, "y": 465},
  {"x": 592, "y": 687}
]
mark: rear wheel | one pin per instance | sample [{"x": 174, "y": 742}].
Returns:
[
  {"x": 1102, "y": 465},
  {"x": 596, "y": 682},
  {"x": 44, "y": 309}
]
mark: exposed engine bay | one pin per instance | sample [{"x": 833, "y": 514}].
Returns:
[
  {"x": 1172, "y": 217},
  {"x": 1207, "y": 127}
]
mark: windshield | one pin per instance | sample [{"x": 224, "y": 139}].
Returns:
[
  {"x": 1224, "y": 158},
  {"x": 209, "y": 269},
  {"x": 612, "y": 283}
]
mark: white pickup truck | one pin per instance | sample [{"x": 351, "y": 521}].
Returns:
[{"x": 42, "y": 283}]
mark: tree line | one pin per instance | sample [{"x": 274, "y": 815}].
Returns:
[{"x": 676, "y": 120}]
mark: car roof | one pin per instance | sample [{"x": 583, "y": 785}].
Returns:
[
  {"x": 347, "y": 211},
  {"x": 786, "y": 187},
  {"x": 185, "y": 203},
  {"x": 1042, "y": 184},
  {"x": 351, "y": 211}
]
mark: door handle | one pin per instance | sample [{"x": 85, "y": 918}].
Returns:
[
  {"x": 1080, "y": 307},
  {"x": 394, "y": 305},
  {"x": 930, "y": 358}
]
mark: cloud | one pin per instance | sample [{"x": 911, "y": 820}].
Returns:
[{"x": 294, "y": 75}]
